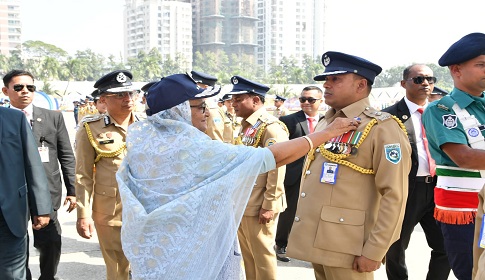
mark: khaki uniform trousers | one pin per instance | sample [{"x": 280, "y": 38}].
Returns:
[
  {"x": 337, "y": 273},
  {"x": 117, "y": 266},
  {"x": 257, "y": 241}
]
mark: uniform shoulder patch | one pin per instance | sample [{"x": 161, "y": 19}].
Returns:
[
  {"x": 270, "y": 142},
  {"x": 393, "y": 152},
  {"x": 450, "y": 121}
]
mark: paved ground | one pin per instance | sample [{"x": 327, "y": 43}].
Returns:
[{"x": 82, "y": 260}]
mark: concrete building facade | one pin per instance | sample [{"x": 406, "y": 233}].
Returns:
[
  {"x": 164, "y": 25},
  {"x": 289, "y": 29},
  {"x": 225, "y": 25},
  {"x": 10, "y": 26}
]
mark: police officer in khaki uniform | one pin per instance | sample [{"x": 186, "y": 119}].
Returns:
[
  {"x": 232, "y": 123},
  {"x": 100, "y": 146},
  {"x": 258, "y": 226},
  {"x": 218, "y": 127},
  {"x": 354, "y": 188},
  {"x": 280, "y": 109},
  {"x": 82, "y": 111}
]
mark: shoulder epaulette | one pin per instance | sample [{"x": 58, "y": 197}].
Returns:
[
  {"x": 445, "y": 103},
  {"x": 269, "y": 121},
  {"x": 90, "y": 118},
  {"x": 380, "y": 117},
  {"x": 377, "y": 115}
]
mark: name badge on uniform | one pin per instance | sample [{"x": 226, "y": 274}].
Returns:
[
  {"x": 329, "y": 173},
  {"x": 44, "y": 153},
  {"x": 481, "y": 237},
  {"x": 104, "y": 142}
]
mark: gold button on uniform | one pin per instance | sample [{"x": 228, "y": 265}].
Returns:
[
  {"x": 303, "y": 194},
  {"x": 297, "y": 219}
]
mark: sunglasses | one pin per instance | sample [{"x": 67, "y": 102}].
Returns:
[
  {"x": 202, "y": 106},
  {"x": 310, "y": 100},
  {"x": 420, "y": 79},
  {"x": 20, "y": 87},
  {"x": 121, "y": 95}
]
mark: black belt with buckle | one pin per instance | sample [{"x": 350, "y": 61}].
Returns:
[{"x": 425, "y": 179}]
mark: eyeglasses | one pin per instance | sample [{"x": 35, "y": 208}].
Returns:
[
  {"x": 20, "y": 87},
  {"x": 202, "y": 106},
  {"x": 121, "y": 95},
  {"x": 420, "y": 79},
  {"x": 310, "y": 100}
]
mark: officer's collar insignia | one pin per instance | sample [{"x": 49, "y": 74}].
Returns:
[
  {"x": 107, "y": 120},
  {"x": 235, "y": 81},
  {"x": 121, "y": 77},
  {"x": 393, "y": 152},
  {"x": 449, "y": 121},
  {"x": 443, "y": 107},
  {"x": 404, "y": 117},
  {"x": 326, "y": 60}
]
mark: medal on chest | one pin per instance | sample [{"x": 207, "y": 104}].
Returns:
[
  {"x": 344, "y": 144},
  {"x": 250, "y": 137}
]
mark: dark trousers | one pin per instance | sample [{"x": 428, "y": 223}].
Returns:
[
  {"x": 419, "y": 209},
  {"x": 47, "y": 241},
  {"x": 286, "y": 218},
  {"x": 13, "y": 253},
  {"x": 459, "y": 247}
]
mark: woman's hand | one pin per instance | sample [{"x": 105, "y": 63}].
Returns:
[{"x": 340, "y": 126}]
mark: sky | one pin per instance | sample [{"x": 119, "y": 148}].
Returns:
[{"x": 386, "y": 32}]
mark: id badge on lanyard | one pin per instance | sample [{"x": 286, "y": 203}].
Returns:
[
  {"x": 329, "y": 173},
  {"x": 44, "y": 152}
]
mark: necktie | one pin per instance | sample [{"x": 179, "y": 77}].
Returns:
[
  {"x": 27, "y": 116},
  {"x": 432, "y": 164},
  {"x": 311, "y": 126}
]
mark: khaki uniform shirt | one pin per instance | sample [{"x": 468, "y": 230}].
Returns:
[
  {"x": 268, "y": 192},
  {"x": 220, "y": 125},
  {"x": 361, "y": 214},
  {"x": 215, "y": 124},
  {"x": 98, "y": 190},
  {"x": 281, "y": 111}
]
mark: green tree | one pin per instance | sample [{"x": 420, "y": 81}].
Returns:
[
  {"x": 389, "y": 77},
  {"x": 213, "y": 64},
  {"x": 93, "y": 64},
  {"x": 311, "y": 67},
  {"x": 146, "y": 66}
]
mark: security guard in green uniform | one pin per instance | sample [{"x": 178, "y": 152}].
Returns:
[
  {"x": 455, "y": 131},
  {"x": 100, "y": 148},
  {"x": 347, "y": 219},
  {"x": 258, "y": 226}
]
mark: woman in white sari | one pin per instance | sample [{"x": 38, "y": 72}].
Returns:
[{"x": 184, "y": 194}]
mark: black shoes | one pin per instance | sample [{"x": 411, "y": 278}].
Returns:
[{"x": 281, "y": 254}]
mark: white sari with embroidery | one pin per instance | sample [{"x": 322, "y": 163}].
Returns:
[{"x": 183, "y": 197}]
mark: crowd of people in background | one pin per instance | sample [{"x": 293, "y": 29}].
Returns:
[{"x": 193, "y": 190}]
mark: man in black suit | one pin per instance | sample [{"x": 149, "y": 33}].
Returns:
[
  {"x": 299, "y": 124},
  {"x": 419, "y": 82},
  {"x": 23, "y": 188},
  {"x": 54, "y": 146}
]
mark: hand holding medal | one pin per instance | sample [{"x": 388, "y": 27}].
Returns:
[{"x": 344, "y": 143}]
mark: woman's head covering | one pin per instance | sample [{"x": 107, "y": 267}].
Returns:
[
  {"x": 174, "y": 90},
  {"x": 183, "y": 194}
]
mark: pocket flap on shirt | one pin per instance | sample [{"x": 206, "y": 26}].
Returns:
[
  {"x": 105, "y": 190},
  {"x": 343, "y": 216}
]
